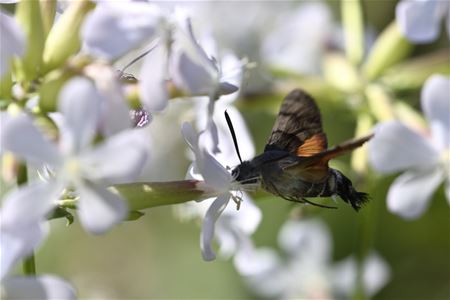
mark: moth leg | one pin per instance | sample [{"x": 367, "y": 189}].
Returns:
[{"x": 317, "y": 204}]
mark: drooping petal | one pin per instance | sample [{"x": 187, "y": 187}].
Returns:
[
  {"x": 99, "y": 209},
  {"x": 117, "y": 160},
  {"x": 18, "y": 133},
  {"x": 16, "y": 243},
  {"x": 40, "y": 287},
  {"x": 13, "y": 41},
  {"x": 208, "y": 226},
  {"x": 214, "y": 174},
  {"x": 419, "y": 21},
  {"x": 410, "y": 193},
  {"x": 192, "y": 76},
  {"x": 30, "y": 203},
  {"x": 133, "y": 22},
  {"x": 79, "y": 101},
  {"x": 306, "y": 239},
  {"x": 153, "y": 86},
  {"x": 234, "y": 227},
  {"x": 436, "y": 106},
  {"x": 395, "y": 147}
]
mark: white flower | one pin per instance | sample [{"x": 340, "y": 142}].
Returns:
[
  {"x": 233, "y": 227},
  {"x": 13, "y": 41},
  {"x": 300, "y": 38},
  {"x": 134, "y": 22},
  {"x": 420, "y": 20},
  {"x": 40, "y": 287},
  {"x": 426, "y": 159},
  {"x": 307, "y": 271},
  {"x": 77, "y": 164}
]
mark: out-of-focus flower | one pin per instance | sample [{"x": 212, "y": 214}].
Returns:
[
  {"x": 300, "y": 38},
  {"x": 76, "y": 163},
  {"x": 307, "y": 271},
  {"x": 426, "y": 159},
  {"x": 40, "y": 287},
  {"x": 231, "y": 230},
  {"x": 13, "y": 41},
  {"x": 134, "y": 22},
  {"x": 17, "y": 242},
  {"x": 420, "y": 20}
]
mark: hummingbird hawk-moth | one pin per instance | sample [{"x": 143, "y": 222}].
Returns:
[{"x": 294, "y": 164}]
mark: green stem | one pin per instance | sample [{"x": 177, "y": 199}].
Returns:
[
  {"x": 29, "y": 265},
  {"x": 143, "y": 195}
]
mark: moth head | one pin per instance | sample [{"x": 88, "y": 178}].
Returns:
[{"x": 245, "y": 173}]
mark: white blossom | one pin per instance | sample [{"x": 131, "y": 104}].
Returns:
[
  {"x": 420, "y": 20},
  {"x": 233, "y": 227},
  {"x": 75, "y": 162},
  {"x": 424, "y": 158},
  {"x": 307, "y": 270}
]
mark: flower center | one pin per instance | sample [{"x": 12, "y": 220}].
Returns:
[{"x": 72, "y": 167}]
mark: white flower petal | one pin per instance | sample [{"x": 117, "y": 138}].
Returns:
[
  {"x": 376, "y": 273},
  {"x": 192, "y": 76},
  {"x": 99, "y": 209},
  {"x": 264, "y": 272},
  {"x": 213, "y": 172},
  {"x": 118, "y": 159},
  {"x": 256, "y": 261},
  {"x": 306, "y": 239},
  {"x": 419, "y": 21},
  {"x": 115, "y": 113},
  {"x": 436, "y": 106},
  {"x": 344, "y": 276},
  {"x": 410, "y": 193},
  {"x": 395, "y": 147},
  {"x": 153, "y": 86},
  {"x": 30, "y": 203},
  {"x": 234, "y": 227},
  {"x": 208, "y": 226},
  {"x": 313, "y": 26},
  {"x": 40, "y": 287},
  {"x": 13, "y": 41},
  {"x": 79, "y": 101},
  {"x": 18, "y": 133},
  {"x": 113, "y": 29},
  {"x": 16, "y": 243}
]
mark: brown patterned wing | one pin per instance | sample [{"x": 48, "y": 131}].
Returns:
[{"x": 298, "y": 127}]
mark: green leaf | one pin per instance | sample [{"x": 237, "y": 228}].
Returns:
[
  {"x": 353, "y": 23},
  {"x": 28, "y": 14},
  {"x": 64, "y": 38},
  {"x": 412, "y": 74},
  {"x": 341, "y": 74},
  {"x": 390, "y": 48}
]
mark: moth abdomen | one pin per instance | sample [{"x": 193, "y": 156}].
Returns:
[{"x": 345, "y": 190}]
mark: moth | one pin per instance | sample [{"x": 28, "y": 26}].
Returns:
[{"x": 294, "y": 164}]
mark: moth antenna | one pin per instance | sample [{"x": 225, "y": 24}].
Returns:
[{"x": 233, "y": 135}]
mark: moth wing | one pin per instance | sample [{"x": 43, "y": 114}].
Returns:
[
  {"x": 315, "y": 168},
  {"x": 298, "y": 127}
]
